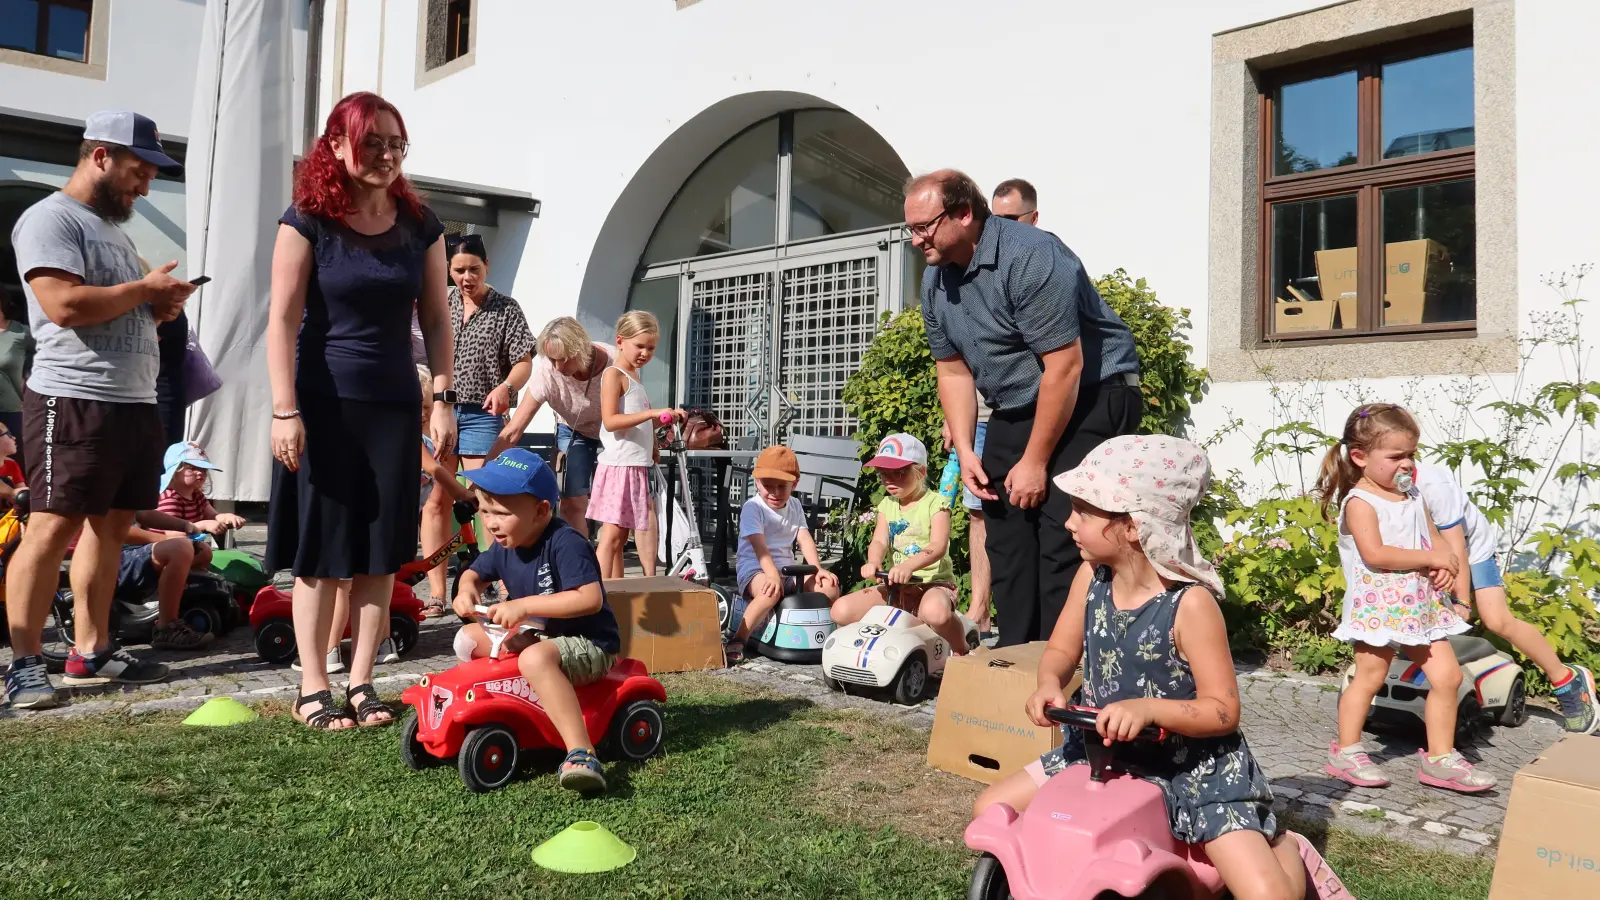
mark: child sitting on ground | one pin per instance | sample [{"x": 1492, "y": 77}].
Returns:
[
  {"x": 914, "y": 532},
  {"x": 551, "y": 573},
  {"x": 1474, "y": 540},
  {"x": 183, "y": 490},
  {"x": 769, "y": 525},
  {"x": 1143, "y": 616}
]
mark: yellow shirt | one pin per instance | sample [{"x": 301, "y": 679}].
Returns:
[{"x": 911, "y": 530}]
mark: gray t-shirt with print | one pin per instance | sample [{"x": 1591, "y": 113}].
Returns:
[{"x": 115, "y": 361}]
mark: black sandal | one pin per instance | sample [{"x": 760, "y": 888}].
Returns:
[
  {"x": 369, "y": 706},
  {"x": 322, "y": 719}
]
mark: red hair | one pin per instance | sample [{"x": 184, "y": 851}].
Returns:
[{"x": 321, "y": 182}]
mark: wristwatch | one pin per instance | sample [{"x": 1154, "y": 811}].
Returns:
[{"x": 445, "y": 396}]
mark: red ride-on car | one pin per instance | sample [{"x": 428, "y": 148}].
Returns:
[
  {"x": 483, "y": 713},
  {"x": 272, "y": 613}
]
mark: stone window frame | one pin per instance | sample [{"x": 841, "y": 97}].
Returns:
[
  {"x": 1240, "y": 57},
  {"x": 427, "y": 76},
  {"x": 99, "y": 47}
]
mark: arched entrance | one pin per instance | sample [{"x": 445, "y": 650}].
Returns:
[{"x": 769, "y": 270}]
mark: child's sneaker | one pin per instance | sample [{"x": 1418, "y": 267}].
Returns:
[
  {"x": 334, "y": 663},
  {"x": 111, "y": 665},
  {"x": 27, "y": 684},
  {"x": 1352, "y": 764},
  {"x": 1579, "y": 704},
  {"x": 1453, "y": 773},
  {"x": 386, "y": 652},
  {"x": 581, "y": 771},
  {"x": 177, "y": 635}
]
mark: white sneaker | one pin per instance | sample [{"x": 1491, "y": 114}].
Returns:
[
  {"x": 335, "y": 664},
  {"x": 386, "y": 652}
]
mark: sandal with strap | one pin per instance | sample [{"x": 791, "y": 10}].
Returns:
[
  {"x": 734, "y": 652},
  {"x": 432, "y": 610},
  {"x": 322, "y": 719},
  {"x": 368, "y": 706},
  {"x": 581, "y": 771}
]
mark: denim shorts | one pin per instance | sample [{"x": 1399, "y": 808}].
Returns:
[
  {"x": 1486, "y": 574},
  {"x": 967, "y": 497},
  {"x": 583, "y": 454},
  {"x": 476, "y": 430},
  {"x": 136, "y": 574}
]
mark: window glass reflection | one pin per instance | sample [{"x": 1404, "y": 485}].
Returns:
[
  {"x": 1314, "y": 124},
  {"x": 660, "y": 297},
  {"x": 1430, "y": 236},
  {"x": 1314, "y": 272},
  {"x": 845, "y": 176},
  {"x": 729, "y": 203},
  {"x": 1427, "y": 104},
  {"x": 68, "y": 33}
]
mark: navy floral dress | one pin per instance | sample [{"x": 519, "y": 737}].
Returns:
[{"x": 1212, "y": 785}]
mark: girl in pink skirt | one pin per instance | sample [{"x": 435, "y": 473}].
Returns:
[{"x": 620, "y": 498}]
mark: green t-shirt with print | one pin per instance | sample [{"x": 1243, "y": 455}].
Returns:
[{"x": 911, "y": 530}]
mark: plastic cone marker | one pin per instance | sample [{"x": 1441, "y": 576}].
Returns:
[
  {"x": 583, "y": 847},
  {"x": 221, "y": 711}
]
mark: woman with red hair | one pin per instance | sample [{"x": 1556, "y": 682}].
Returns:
[{"x": 355, "y": 253}]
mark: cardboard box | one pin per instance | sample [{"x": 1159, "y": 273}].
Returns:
[
  {"x": 1412, "y": 272},
  {"x": 668, "y": 624},
  {"x": 980, "y": 730},
  {"x": 1301, "y": 315},
  {"x": 1337, "y": 282},
  {"x": 1550, "y": 843}
]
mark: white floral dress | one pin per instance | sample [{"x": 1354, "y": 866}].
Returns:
[{"x": 1383, "y": 607}]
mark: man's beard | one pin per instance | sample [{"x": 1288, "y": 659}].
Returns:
[{"x": 109, "y": 204}]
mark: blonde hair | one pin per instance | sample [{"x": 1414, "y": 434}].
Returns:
[
  {"x": 566, "y": 332},
  {"x": 1365, "y": 427},
  {"x": 632, "y": 324},
  {"x": 425, "y": 379}
]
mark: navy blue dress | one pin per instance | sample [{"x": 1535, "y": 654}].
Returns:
[{"x": 351, "y": 509}]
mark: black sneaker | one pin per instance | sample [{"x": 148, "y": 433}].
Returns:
[
  {"x": 111, "y": 665},
  {"x": 27, "y": 685}
]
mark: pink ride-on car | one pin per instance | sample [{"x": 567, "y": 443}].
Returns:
[
  {"x": 483, "y": 713},
  {"x": 1091, "y": 833}
]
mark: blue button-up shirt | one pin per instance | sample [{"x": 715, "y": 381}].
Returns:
[{"x": 1023, "y": 294}]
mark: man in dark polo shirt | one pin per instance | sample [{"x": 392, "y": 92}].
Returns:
[{"x": 1009, "y": 310}]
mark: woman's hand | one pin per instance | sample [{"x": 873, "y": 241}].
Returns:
[
  {"x": 498, "y": 401},
  {"x": 288, "y": 442},
  {"x": 442, "y": 428},
  {"x": 1045, "y": 696},
  {"x": 1123, "y": 720}
]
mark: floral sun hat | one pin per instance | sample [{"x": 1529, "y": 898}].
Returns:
[{"x": 1156, "y": 480}]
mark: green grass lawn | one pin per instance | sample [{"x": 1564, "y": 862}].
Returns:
[{"x": 756, "y": 797}]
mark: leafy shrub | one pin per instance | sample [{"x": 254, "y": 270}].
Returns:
[{"x": 1169, "y": 380}]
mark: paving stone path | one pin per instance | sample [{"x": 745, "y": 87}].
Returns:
[{"x": 1288, "y": 720}]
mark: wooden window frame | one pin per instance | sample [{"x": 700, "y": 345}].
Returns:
[
  {"x": 457, "y": 43},
  {"x": 1367, "y": 179},
  {"x": 41, "y": 37}
]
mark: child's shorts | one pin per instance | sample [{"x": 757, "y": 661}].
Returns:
[
  {"x": 582, "y": 660},
  {"x": 1486, "y": 574},
  {"x": 741, "y": 601},
  {"x": 909, "y": 596},
  {"x": 136, "y": 574}
]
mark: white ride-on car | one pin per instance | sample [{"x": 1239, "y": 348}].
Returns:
[
  {"x": 888, "y": 650},
  {"x": 1492, "y": 686}
]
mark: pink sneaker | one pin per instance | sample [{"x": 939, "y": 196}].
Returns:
[
  {"x": 1321, "y": 881},
  {"x": 1353, "y": 765},
  {"x": 1453, "y": 773}
]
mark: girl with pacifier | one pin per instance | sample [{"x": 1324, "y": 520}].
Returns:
[
  {"x": 1395, "y": 573},
  {"x": 1143, "y": 618}
]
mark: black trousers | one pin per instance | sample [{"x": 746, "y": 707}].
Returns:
[{"x": 1031, "y": 554}]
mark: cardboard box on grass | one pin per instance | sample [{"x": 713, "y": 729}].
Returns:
[
  {"x": 980, "y": 730},
  {"x": 668, "y": 624},
  {"x": 1550, "y": 843}
]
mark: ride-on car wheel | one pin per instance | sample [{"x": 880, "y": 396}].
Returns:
[
  {"x": 1469, "y": 720},
  {"x": 403, "y": 631},
  {"x": 203, "y": 619},
  {"x": 488, "y": 758},
  {"x": 275, "y": 641},
  {"x": 412, "y": 752},
  {"x": 912, "y": 681},
  {"x": 988, "y": 880},
  {"x": 1516, "y": 708},
  {"x": 636, "y": 731}
]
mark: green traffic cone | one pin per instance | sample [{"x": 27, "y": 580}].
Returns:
[
  {"x": 220, "y": 712},
  {"x": 583, "y": 847}
]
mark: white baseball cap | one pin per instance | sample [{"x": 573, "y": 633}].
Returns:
[{"x": 898, "y": 451}]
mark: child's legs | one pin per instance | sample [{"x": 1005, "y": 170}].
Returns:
[
  {"x": 435, "y": 531},
  {"x": 938, "y": 609},
  {"x": 552, "y": 668},
  {"x": 1439, "y": 666},
  {"x": 609, "y": 551},
  {"x": 646, "y": 542},
  {"x": 759, "y": 604},
  {"x": 849, "y": 609},
  {"x": 472, "y": 642},
  {"x": 1372, "y": 666},
  {"x": 1016, "y": 790},
  {"x": 172, "y": 560},
  {"x": 1496, "y": 615},
  {"x": 1256, "y": 870}
]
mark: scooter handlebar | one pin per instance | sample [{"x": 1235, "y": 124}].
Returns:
[
  {"x": 798, "y": 571},
  {"x": 1086, "y": 717}
]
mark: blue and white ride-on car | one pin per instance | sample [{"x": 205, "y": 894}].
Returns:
[
  {"x": 888, "y": 650},
  {"x": 1493, "y": 686}
]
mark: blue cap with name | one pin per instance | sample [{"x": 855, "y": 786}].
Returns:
[
  {"x": 136, "y": 132},
  {"x": 517, "y": 471}
]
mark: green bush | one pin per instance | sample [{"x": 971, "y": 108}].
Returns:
[{"x": 1167, "y": 376}]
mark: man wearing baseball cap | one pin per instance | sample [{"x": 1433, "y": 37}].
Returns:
[{"x": 91, "y": 430}]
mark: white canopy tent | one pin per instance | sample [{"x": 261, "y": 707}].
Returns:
[{"x": 239, "y": 168}]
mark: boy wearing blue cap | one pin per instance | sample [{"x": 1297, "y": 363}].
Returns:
[{"x": 552, "y": 574}]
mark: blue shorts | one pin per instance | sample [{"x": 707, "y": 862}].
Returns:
[
  {"x": 967, "y": 497},
  {"x": 136, "y": 574},
  {"x": 476, "y": 430},
  {"x": 563, "y": 437},
  {"x": 583, "y": 454},
  {"x": 1486, "y": 574}
]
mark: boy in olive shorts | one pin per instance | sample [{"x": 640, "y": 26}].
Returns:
[{"x": 551, "y": 572}]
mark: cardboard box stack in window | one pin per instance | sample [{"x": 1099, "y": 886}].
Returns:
[
  {"x": 980, "y": 728},
  {"x": 1414, "y": 270},
  {"x": 668, "y": 624}
]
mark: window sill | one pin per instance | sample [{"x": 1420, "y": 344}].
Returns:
[
  {"x": 1414, "y": 354},
  {"x": 426, "y": 77},
  {"x": 93, "y": 71}
]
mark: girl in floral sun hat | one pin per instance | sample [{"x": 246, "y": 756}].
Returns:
[{"x": 1144, "y": 619}]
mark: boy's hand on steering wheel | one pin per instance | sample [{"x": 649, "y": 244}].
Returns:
[
  {"x": 1045, "y": 696},
  {"x": 902, "y": 574},
  {"x": 1123, "y": 720},
  {"x": 230, "y": 520},
  {"x": 507, "y": 614},
  {"x": 467, "y": 599}
]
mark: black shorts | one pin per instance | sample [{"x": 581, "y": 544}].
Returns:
[{"x": 88, "y": 457}]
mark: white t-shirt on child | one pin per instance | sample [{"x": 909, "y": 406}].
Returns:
[
  {"x": 1449, "y": 505},
  {"x": 780, "y": 527}
]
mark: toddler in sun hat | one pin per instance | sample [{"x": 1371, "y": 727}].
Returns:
[{"x": 183, "y": 484}]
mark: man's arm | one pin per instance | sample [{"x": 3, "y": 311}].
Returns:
[
  {"x": 1058, "y": 398},
  {"x": 959, "y": 397},
  {"x": 1042, "y": 287}
]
